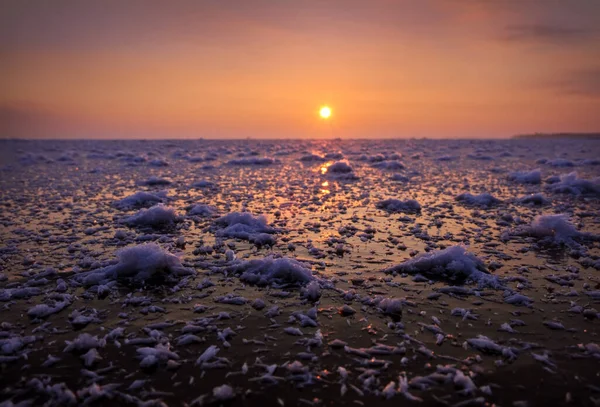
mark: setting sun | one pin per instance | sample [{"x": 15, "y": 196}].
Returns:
[{"x": 325, "y": 112}]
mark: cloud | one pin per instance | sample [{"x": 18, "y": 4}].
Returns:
[
  {"x": 585, "y": 82},
  {"x": 545, "y": 33}
]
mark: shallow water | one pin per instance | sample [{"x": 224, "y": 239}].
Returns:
[{"x": 58, "y": 211}]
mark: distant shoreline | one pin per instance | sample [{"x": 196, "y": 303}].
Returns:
[{"x": 558, "y": 136}]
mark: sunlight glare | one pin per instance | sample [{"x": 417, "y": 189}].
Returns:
[{"x": 325, "y": 112}]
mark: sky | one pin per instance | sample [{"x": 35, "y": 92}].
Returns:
[{"x": 262, "y": 69}]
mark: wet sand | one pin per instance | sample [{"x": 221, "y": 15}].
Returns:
[{"x": 59, "y": 211}]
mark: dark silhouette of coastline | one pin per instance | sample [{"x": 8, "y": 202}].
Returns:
[{"x": 586, "y": 136}]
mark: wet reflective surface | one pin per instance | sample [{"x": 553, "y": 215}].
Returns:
[{"x": 343, "y": 209}]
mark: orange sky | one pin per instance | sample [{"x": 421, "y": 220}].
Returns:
[{"x": 262, "y": 69}]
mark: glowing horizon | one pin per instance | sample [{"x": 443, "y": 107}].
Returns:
[{"x": 437, "y": 68}]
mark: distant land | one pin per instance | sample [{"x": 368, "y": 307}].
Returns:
[{"x": 559, "y": 135}]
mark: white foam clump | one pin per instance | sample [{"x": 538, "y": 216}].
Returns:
[
  {"x": 452, "y": 263},
  {"x": 483, "y": 200},
  {"x": 389, "y": 165},
  {"x": 138, "y": 264},
  {"x": 84, "y": 342},
  {"x": 203, "y": 184},
  {"x": 158, "y": 163},
  {"x": 202, "y": 210},
  {"x": 43, "y": 310},
  {"x": 243, "y": 225},
  {"x": 533, "y": 199},
  {"x": 252, "y": 161},
  {"x": 396, "y": 205},
  {"x": 399, "y": 178},
  {"x": 312, "y": 291},
  {"x": 8, "y": 294},
  {"x": 560, "y": 162},
  {"x": 571, "y": 184},
  {"x": 223, "y": 393},
  {"x": 341, "y": 171},
  {"x": 339, "y": 167},
  {"x": 156, "y": 355},
  {"x": 556, "y": 227},
  {"x": 390, "y": 306},
  {"x": 526, "y": 177},
  {"x": 312, "y": 158},
  {"x": 271, "y": 270},
  {"x": 154, "y": 180},
  {"x": 141, "y": 198},
  {"x": 447, "y": 158},
  {"x": 156, "y": 216}
]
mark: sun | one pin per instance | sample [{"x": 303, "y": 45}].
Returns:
[{"x": 325, "y": 112}]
